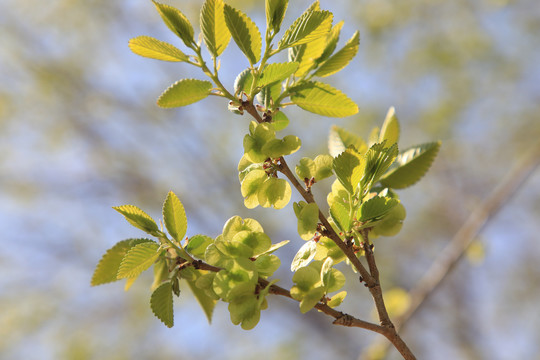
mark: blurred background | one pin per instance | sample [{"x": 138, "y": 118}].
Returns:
[{"x": 80, "y": 132}]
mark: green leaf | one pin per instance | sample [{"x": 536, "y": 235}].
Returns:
[
  {"x": 236, "y": 224},
  {"x": 411, "y": 165},
  {"x": 311, "y": 299},
  {"x": 244, "y": 306},
  {"x": 390, "y": 128},
  {"x": 184, "y": 92},
  {"x": 274, "y": 247},
  {"x": 340, "y": 59},
  {"x": 308, "y": 54},
  {"x": 155, "y": 49},
  {"x": 245, "y": 33},
  {"x": 174, "y": 217},
  {"x": 161, "y": 303},
  {"x": 303, "y": 257},
  {"x": 138, "y": 259},
  {"x": 161, "y": 273},
  {"x": 276, "y": 72},
  {"x": 207, "y": 303},
  {"x": 326, "y": 270},
  {"x": 243, "y": 82},
  {"x": 337, "y": 299},
  {"x": 340, "y": 215},
  {"x": 340, "y": 139},
  {"x": 376, "y": 208},
  {"x": 335, "y": 280},
  {"x": 323, "y": 165},
  {"x": 331, "y": 42},
  {"x": 280, "y": 121},
  {"x": 275, "y": 192},
  {"x": 348, "y": 167},
  {"x": 305, "y": 169},
  {"x": 308, "y": 218},
  {"x": 215, "y": 257},
  {"x": 276, "y": 148},
  {"x": 176, "y": 22},
  {"x": 251, "y": 185},
  {"x": 107, "y": 268},
  {"x": 197, "y": 245},
  {"x": 377, "y": 160},
  {"x": 322, "y": 99},
  {"x": 308, "y": 27},
  {"x": 253, "y": 143},
  {"x": 328, "y": 248},
  {"x": 267, "y": 264},
  {"x": 138, "y": 218},
  {"x": 257, "y": 242},
  {"x": 275, "y": 12},
  {"x": 215, "y": 33},
  {"x": 306, "y": 277}
]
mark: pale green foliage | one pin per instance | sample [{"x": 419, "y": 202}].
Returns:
[
  {"x": 234, "y": 266},
  {"x": 155, "y": 49}
]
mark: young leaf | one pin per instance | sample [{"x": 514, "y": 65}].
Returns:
[
  {"x": 197, "y": 245},
  {"x": 155, "y": 49},
  {"x": 280, "y": 120},
  {"x": 276, "y": 72},
  {"x": 337, "y": 299},
  {"x": 322, "y": 99},
  {"x": 311, "y": 299},
  {"x": 331, "y": 42},
  {"x": 245, "y": 33},
  {"x": 184, "y": 92},
  {"x": 340, "y": 215},
  {"x": 107, "y": 268},
  {"x": 323, "y": 165},
  {"x": 340, "y": 59},
  {"x": 306, "y": 168},
  {"x": 275, "y": 192},
  {"x": 174, "y": 217},
  {"x": 161, "y": 303},
  {"x": 251, "y": 186},
  {"x": 390, "y": 128},
  {"x": 161, "y": 273},
  {"x": 304, "y": 255},
  {"x": 274, "y": 247},
  {"x": 276, "y": 148},
  {"x": 375, "y": 208},
  {"x": 267, "y": 264},
  {"x": 243, "y": 81},
  {"x": 309, "y": 54},
  {"x": 176, "y": 22},
  {"x": 275, "y": 12},
  {"x": 326, "y": 270},
  {"x": 308, "y": 27},
  {"x": 215, "y": 33},
  {"x": 348, "y": 168},
  {"x": 308, "y": 218},
  {"x": 377, "y": 160},
  {"x": 340, "y": 139},
  {"x": 207, "y": 303},
  {"x": 138, "y": 259},
  {"x": 411, "y": 165},
  {"x": 138, "y": 218}
]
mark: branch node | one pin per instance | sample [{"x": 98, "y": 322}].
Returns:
[{"x": 344, "y": 319}]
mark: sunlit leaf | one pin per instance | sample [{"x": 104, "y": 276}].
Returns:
[
  {"x": 176, "y": 22},
  {"x": 215, "y": 33},
  {"x": 155, "y": 49},
  {"x": 275, "y": 12},
  {"x": 174, "y": 216},
  {"x": 340, "y": 59},
  {"x": 340, "y": 139},
  {"x": 244, "y": 32},
  {"x": 207, "y": 303},
  {"x": 375, "y": 208},
  {"x": 390, "y": 128},
  {"x": 138, "y": 218},
  {"x": 107, "y": 269},
  {"x": 410, "y": 165},
  {"x": 308, "y": 218},
  {"x": 337, "y": 299},
  {"x": 377, "y": 160},
  {"x": 341, "y": 216},
  {"x": 304, "y": 255},
  {"x": 348, "y": 167},
  {"x": 251, "y": 186},
  {"x": 161, "y": 273},
  {"x": 184, "y": 92},
  {"x": 280, "y": 121},
  {"x": 331, "y": 42},
  {"x": 139, "y": 258},
  {"x": 276, "y": 72},
  {"x": 275, "y": 192},
  {"x": 308, "y": 27},
  {"x": 323, "y": 99},
  {"x": 161, "y": 303},
  {"x": 197, "y": 245}
]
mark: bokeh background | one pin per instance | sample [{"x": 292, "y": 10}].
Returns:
[{"x": 80, "y": 132}]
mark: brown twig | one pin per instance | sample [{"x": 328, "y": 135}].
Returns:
[
  {"x": 370, "y": 278},
  {"x": 454, "y": 251}
]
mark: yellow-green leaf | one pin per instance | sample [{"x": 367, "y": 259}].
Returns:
[
  {"x": 161, "y": 303},
  {"x": 309, "y": 26},
  {"x": 340, "y": 139},
  {"x": 275, "y": 12},
  {"x": 174, "y": 217},
  {"x": 107, "y": 268},
  {"x": 207, "y": 303},
  {"x": 410, "y": 165},
  {"x": 276, "y": 72},
  {"x": 323, "y": 99},
  {"x": 331, "y": 41},
  {"x": 184, "y": 92},
  {"x": 340, "y": 59},
  {"x": 215, "y": 33},
  {"x": 155, "y": 49},
  {"x": 138, "y": 259},
  {"x": 348, "y": 167},
  {"x": 390, "y": 128},
  {"x": 138, "y": 218},
  {"x": 245, "y": 33},
  {"x": 176, "y": 22}
]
